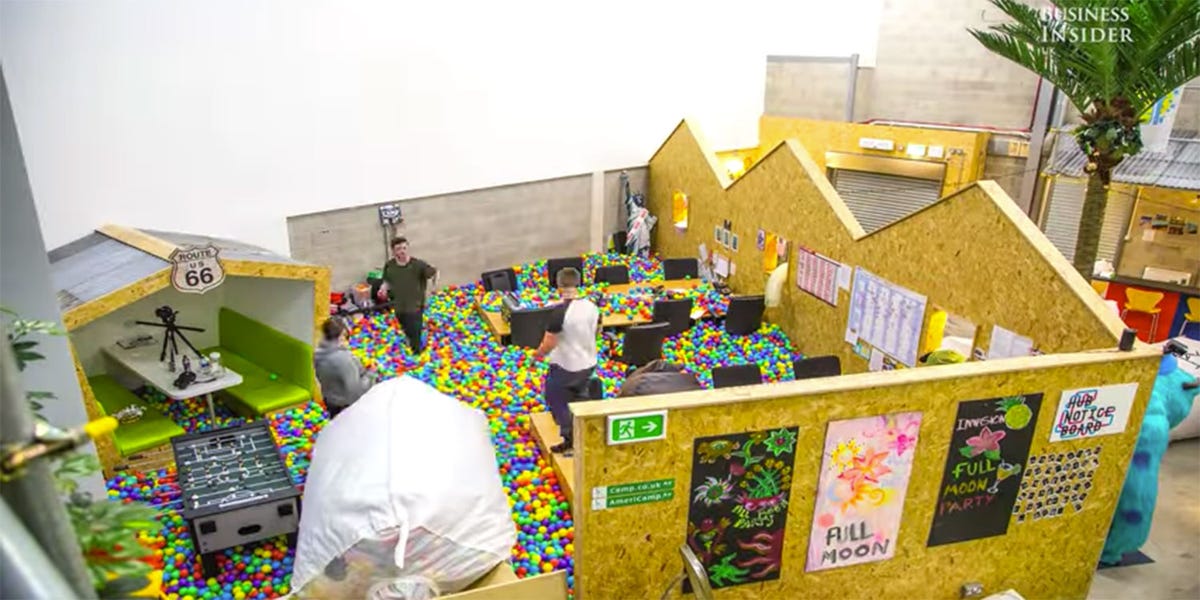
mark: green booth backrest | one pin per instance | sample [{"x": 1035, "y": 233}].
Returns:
[{"x": 273, "y": 350}]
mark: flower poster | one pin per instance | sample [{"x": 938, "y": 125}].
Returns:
[
  {"x": 860, "y": 493},
  {"x": 989, "y": 448},
  {"x": 738, "y": 504}
]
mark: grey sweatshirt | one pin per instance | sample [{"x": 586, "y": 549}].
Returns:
[{"x": 343, "y": 378}]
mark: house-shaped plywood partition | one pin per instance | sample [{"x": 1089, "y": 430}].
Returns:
[
  {"x": 117, "y": 275},
  {"x": 972, "y": 254}
]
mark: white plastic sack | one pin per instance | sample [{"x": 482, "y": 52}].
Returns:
[{"x": 403, "y": 499}]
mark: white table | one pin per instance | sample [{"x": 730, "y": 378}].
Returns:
[{"x": 143, "y": 362}]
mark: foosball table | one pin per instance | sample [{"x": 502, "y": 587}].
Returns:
[{"x": 236, "y": 489}]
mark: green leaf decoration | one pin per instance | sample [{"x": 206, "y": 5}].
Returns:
[
  {"x": 992, "y": 454},
  {"x": 965, "y": 451}
]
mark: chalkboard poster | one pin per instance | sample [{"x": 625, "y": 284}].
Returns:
[
  {"x": 738, "y": 508},
  {"x": 989, "y": 447}
]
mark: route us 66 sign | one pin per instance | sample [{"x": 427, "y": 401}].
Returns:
[{"x": 196, "y": 269}]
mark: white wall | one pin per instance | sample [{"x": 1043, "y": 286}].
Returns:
[
  {"x": 283, "y": 304},
  {"x": 195, "y": 310},
  {"x": 223, "y": 116},
  {"x": 286, "y": 305}
]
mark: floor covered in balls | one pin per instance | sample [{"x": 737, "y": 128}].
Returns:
[{"x": 464, "y": 360}]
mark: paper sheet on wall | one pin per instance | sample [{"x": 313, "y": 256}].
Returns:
[
  {"x": 876, "y": 361},
  {"x": 721, "y": 265},
  {"x": 703, "y": 252},
  {"x": 843, "y": 277},
  {"x": 817, "y": 275},
  {"x": 1006, "y": 344},
  {"x": 886, "y": 316}
]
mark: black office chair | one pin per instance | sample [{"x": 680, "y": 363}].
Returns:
[
  {"x": 528, "y": 326},
  {"x": 681, "y": 268},
  {"x": 677, "y": 314},
  {"x": 500, "y": 280},
  {"x": 595, "y": 389},
  {"x": 643, "y": 343},
  {"x": 817, "y": 366},
  {"x": 735, "y": 375},
  {"x": 612, "y": 274},
  {"x": 554, "y": 265},
  {"x": 745, "y": 314}
]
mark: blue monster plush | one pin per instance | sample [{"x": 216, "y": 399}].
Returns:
[{"x": 1170, "y": 402}]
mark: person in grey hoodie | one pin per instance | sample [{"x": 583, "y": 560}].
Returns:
[
  {"x": 659, "y": 377},
  {"x": 342, "y": 377}
]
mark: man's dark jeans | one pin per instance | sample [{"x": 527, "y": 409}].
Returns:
[{"x": 562, "y": 388}]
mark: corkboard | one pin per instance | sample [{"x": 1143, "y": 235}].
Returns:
[
  {"x": 632, "y": 551},
  {"x": 973, "y": 254}
]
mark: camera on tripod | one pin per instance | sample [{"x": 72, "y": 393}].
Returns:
[
  {"x": 170, "y": 346},
  {"x": 166, "y": 314}
]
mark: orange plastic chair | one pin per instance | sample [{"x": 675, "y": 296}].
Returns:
[
  {"x": 1144, "y": 301},
  {"x": 1191, "y": 316}
]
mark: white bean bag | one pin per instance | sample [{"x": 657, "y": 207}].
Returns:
[{"x": 403, "y": 499}]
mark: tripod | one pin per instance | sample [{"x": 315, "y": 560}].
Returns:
[{"x": 167, "y": 315}]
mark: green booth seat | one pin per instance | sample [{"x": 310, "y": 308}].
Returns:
[
  {"x": 153, "y": 429},
  {"x": 256, "y": 352}
]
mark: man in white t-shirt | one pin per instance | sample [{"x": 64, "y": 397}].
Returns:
[{"x": 570, "y": 344}]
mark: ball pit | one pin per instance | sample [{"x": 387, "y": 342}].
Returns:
[{"x": 462, "y": 359}]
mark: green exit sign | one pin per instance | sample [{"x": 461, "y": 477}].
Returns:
[{"x": 637, "y": 427}]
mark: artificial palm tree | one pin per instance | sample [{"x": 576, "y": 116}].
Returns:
[{"x": 1149, "y": 48}]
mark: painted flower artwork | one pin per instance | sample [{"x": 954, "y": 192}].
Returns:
[
  {"x": 860, "y": 492},
  {"x": 987, "y": 443},
  {"x": 741, "y": 490}
]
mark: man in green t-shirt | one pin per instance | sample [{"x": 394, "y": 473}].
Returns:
[{"x": 405, "y": 281}]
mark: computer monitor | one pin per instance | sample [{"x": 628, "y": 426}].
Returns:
[
  {"x": 528, "y": 326},
  {"x": 681, "y": 268},
  {"x": 500, "y": 280},
  {"x": 817, "y": 366},
  {"x": 736, "y": 375},
  {"x": 554, "y": 265},
  {"x": 745, "y": 314}
]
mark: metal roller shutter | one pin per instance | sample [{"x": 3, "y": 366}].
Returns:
[
  {"x": 1061, "y": 220},
  {"x": 877, "y": 199},
  {"x": 1116, "y": 222}
]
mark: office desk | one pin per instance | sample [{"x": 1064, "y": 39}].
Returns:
[
  {"x": 499, "y": 328},
  {"x": 670, "y": 285}
]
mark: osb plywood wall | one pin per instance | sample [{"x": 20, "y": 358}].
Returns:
[
  {"x": 966, "y": 152},
  {"x": 973, "y": 254},
  {"x": 632, "y": 551}
]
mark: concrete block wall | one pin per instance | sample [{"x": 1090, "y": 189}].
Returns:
[
  {"x": 466, "y": 233},
  {"x": 813, "y": 88},
  {"x": 929, "y": 68},
  {"x": 1007, "y": 171}
]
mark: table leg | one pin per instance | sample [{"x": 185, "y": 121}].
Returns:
[{"x": 212, "y": 414}]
